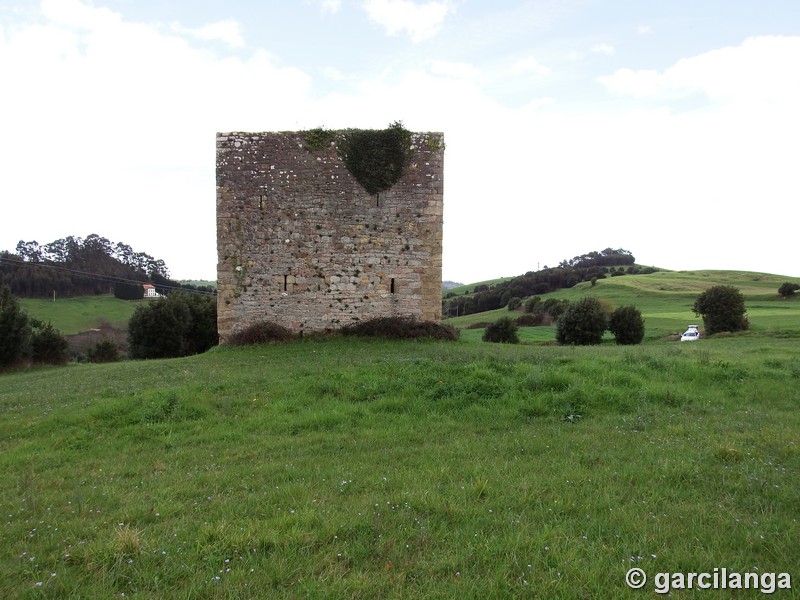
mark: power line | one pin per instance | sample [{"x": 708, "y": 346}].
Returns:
[{"x": 98, "y": 276}]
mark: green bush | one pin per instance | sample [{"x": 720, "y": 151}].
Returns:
[
  {"x": 503, "y": 331},
  {"x": 533, "y": 304},
  {"x": 722, "y": 309},
  {"x": 401, "y": 328},
  {"x": 181, "y": 324},
  {"x": 263, "y": 332},
  {"x": 15, "y": 330},
  {"x": 627, "y": 325},
  {"x": 514, "y": 303},
  {"x": 582, "y": 323},
  {"x": 104, "y": 351},
  {"x": 555, "y": 307},
  {"x": 48, "y": 346},
  {"x": 788, "y": 289}
]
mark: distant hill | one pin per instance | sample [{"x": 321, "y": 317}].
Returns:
[
  {"x": 449, "y": 285},
  {"x": 592, "y": 266},
  {"x": 665, "y": 299}
]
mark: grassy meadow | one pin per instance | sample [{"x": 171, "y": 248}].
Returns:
[
  {"x": 79, "y": 314},
  {"x": 665, "y": 299},
  {"x": 345, "y": 468}
]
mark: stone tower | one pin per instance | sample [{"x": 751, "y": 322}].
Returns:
[{"x": 301, "y": 243}]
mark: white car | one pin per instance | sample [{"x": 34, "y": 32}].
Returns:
[{"x": 692, "y": 334}]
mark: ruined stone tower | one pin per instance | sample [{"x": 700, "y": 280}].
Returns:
[{"x": 301, "y": 243}]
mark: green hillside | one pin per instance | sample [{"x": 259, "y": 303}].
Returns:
[
  {"x": 665, "y": 299},
  {"x": 467, "y": 289},
  {"x": 363, "y": 469},
  {"x": 81, "y": 313}
]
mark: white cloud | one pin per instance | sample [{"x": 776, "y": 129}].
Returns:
[
  {"x": 644, "y": 30},
  {"x": 333, "y": 74},
  {"x": 419, "y": 20},
  {"x": 107, "y": 117},
  {"x": 330, "y": 6},
  {"x": 227, "y": 31},
  {"x": 761, "y": 69},
  {"x": 530, "y": 65},
  {"x": 456, "y": 70},
  {"x": 76, "y": 14},
  {"x": 606, "y": 49}
]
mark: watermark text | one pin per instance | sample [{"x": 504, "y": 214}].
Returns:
[{"x": 717, "y": 579}]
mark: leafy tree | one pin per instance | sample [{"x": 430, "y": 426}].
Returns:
[
  {"x": 503, "y": 331},
  {"x": 514, "y": 303},
  {"x": 128, "y": 291},
  {"x": 788, "y": 289},
  {"x": 15, "y": 330},
  {"x": 73, "y": 265},
  {"x": 178, "y": 325},
  {"x": 555, "y": 307},
  {"x": 582, "y": 323},
  {"x": 627, "y": 325},
  {"x": 532, "y": 304},
  {"x": 722, "y": 309},
  {"x": 103, "y": 351},
  {"x": 48, "y": 346},
  {"x": 202, "y": 332}
]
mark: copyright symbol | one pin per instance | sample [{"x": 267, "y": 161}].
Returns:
[{"x": 636, "y": 578}]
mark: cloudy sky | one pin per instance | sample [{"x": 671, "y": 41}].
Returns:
[{"x": 670, "y": 129}]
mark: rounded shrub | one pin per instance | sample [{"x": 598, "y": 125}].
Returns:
[
  {"x": 48, "y": 346},
  {"x": 104, "y": 351},
  {"x": 181, "y": 324},
  {"x": 533, "y": 304},
  {"x": 502, "y": 331},
  {"x": 583, "y": 323},
  {"x": 627, "y": 325},
  {"x": 722, "y": 309}
]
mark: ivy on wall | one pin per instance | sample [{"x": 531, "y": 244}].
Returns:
[{"x": 377, "y": 158}]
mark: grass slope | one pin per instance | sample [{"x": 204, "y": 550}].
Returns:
[
  {"x": 357, "y": 469},
  {"x": 75, "y": 315},
  {"x": 665, "y": 299}
]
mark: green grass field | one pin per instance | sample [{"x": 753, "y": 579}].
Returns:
[
  {"x": 346, "y": 468},
  {"x": 665, "y": 299},
  {"x": 74, "y": 315},
  {"x": 361, "y": 469}
]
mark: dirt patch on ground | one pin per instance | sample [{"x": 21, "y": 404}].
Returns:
[{"x": 80, "y": 343}]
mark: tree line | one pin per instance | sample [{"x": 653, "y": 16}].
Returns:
[
  {"x": 74, "y": 266},
  {"x": 586, "y": 267}
]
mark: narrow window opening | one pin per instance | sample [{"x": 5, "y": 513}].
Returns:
[
  {"x": 391, "y": 286},
  {"x": 377, "y": 200},
  {"x": 285, "y": 283}
]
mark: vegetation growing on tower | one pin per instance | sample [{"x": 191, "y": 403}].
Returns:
[{"x": 376, "y": 158}]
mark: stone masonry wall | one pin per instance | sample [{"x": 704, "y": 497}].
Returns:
[{"x": 301, "y": 243}]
